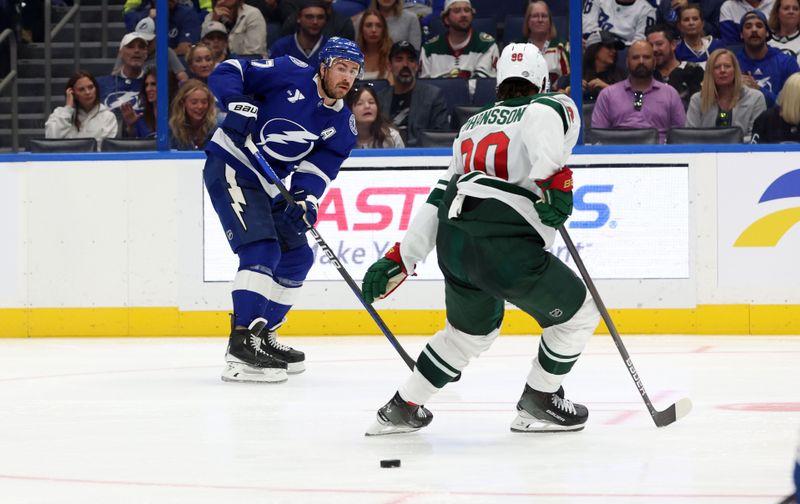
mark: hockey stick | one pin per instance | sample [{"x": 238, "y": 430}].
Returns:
[
  {"x": 662, "y": 418},
  {"x": 331, "y": 256}
]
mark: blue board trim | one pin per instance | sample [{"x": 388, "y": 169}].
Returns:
[{"x": 25, "y": 157}]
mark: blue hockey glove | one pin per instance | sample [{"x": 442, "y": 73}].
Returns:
[
  {"x": 242, "y": 113},
  {"x": 555, "y": 206},
  {"x": 302, "y": 214}
]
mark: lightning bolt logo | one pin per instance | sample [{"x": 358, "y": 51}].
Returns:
[
  {"x": 286, "y": 140},
  {"x": 290, "y": 136},
  {"x": 237, "y": 196}
]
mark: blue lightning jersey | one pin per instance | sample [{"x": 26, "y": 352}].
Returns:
[{"x": 297, "y": 133}]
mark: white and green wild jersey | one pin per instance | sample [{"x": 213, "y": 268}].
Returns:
[
  {"x": 512, "y": 143},
  {"x": 477, "y": 58}
]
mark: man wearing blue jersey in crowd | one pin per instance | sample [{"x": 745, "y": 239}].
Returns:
[
  {"x": 296, "y": 116},
  {"x": 764, "y": 68}
]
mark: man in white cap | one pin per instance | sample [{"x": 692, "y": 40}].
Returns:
[
  {"x": 125, "y": 81},
  {"x": 492, "y": 217},
  {"x": 147, "y": 27},
  {"x": 215, "y": 36},
  {"x": 461, "y": 52}
]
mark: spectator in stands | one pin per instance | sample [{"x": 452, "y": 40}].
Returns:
[
  {"x": 599, "y": 65},
  {"x": 784, "y": 21},
  {"x": 143, "y": 124},
  {"x": 539, "y": 30},
  {"x": 215, "y": 36},
  {"x": 193, "y": 117},
  {"x": 724, "y": 100},
  {"x": 412, "y": 106},
  {"x": 402, "y": 24},
  {"x": 730, "y": 15},
  {"x": 273, "y": 11},
  {"x": 148, "y": 27},
  {"x": 375, "y": 131},
  {"x": 125, "y": 81},
  {"x": 373, "y": 39},
  {"x": 336, "y": 25},
  {"x": 683, "y": 76},
  {"x": 763, "y": 67},
  {"x": 782, "y": 123},
  {"x": 184, "y": 24},
  {"x": 695, "y": 45},
  {"x": 200, "y": 61},
  {"x": 639, "y": 101},
  {"x": 200, "y": 7},
  {"x": 460, "y": 52},
  {"x": 420, "y": 8},
  {"x": 83, "y": 116},
  {"x": 306, "y": 43},
  {"x": 247, "y": 30},
  {"x": 627, "y": 19},
  {"x": 669, "y": 11}
]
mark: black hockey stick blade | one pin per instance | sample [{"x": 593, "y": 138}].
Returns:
[{"x": 675, "y": 412}]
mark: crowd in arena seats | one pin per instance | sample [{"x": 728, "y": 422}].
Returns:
[{"x": 659, "y": 64}]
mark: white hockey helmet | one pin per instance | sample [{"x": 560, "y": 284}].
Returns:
[{"x": 523, "y": 61}]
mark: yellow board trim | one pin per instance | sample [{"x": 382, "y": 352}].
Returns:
[{"x": 153, "y": 322}]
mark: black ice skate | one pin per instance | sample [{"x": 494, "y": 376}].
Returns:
[
  {"x": 295, "y": 359},
  {"x": 398, "y": 416},
  {"x": 548, "y": 412},
  {"x": 247, "y": 362}
]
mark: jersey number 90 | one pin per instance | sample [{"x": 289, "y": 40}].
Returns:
[{"x": 476, "y": 157}]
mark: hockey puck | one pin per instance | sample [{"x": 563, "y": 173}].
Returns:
[{"x": 390, "y": 463}]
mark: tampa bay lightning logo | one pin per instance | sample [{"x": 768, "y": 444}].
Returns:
[
  {"x": 286, "y": 140},
  {"x": 117, "y": 98}
]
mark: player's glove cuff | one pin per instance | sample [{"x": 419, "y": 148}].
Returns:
[
  {"x": 384, "y": 276},
  {"x": 555, "y": 206},
  {"x": 242, "y": 113}
]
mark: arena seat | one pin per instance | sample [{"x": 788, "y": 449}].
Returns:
[
  {"x": 462, "y": 113},
  {"x": 621, "y": 136},
  {"x": 731, "y": 135},
  {"x": 62, "y": 145},
  {"x": 429, "y": 138},
  {"x": 456, "y": 91},
  {"x": 485, "y": 91},
  {"x": 128, "y": 144}
]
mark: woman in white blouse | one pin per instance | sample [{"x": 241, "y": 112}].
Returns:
[{"x": 83, "y": 116}]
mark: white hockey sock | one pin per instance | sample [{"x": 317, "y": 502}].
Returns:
[
  {"x": 561, "y": 345},
  {"x": 417, "y": 389}
]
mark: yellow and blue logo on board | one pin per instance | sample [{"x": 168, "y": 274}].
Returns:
[{"x": 768, "y": 230}]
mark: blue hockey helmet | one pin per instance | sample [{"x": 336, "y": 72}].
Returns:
[{"x": 342, "y": 48}]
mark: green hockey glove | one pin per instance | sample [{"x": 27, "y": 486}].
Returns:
[
  {"x": 555, "y": 206},
  {"x": 384, "y": 276}
]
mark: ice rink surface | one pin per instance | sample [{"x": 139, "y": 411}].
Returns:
[{"x": 150, "y": 421}]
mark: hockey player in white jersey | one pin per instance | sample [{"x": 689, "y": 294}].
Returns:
[
  {"x": 627, "y": 19},
  {"x": 491, "y": 217}
]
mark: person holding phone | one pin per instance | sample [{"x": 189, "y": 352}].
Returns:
[{"x": 82, "y": 116}]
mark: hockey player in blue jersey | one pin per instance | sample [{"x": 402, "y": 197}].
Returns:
[{"x": 296, "y": 116}]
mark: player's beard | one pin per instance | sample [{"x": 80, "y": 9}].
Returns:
[{"x": 333, "y": 91}]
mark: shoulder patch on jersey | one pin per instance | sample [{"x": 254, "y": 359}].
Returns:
[
  {"x": 353, "y": 124},
  {"x": 433, "y": 40},
  {"x": 485, "y": 37},
  {"x": 301, "y": 64},
  {"x": 263, "y": 63}
]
